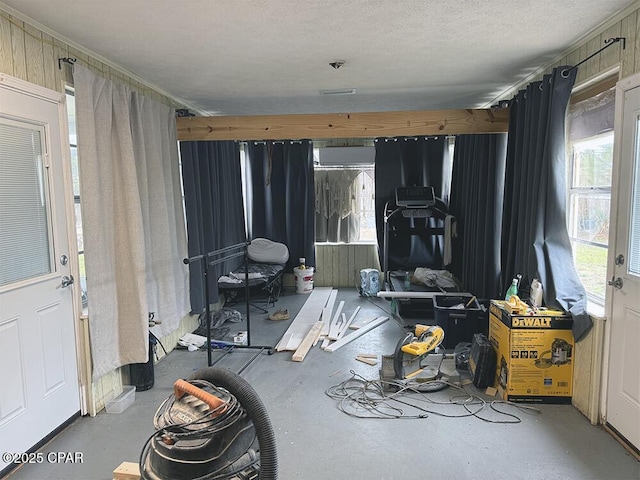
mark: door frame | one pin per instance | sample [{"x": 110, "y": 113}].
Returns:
[
  {"x": 628, "y": 83},
  {"x": 81, "y": 338}
]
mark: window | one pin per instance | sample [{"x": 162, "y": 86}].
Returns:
[
  {"x": 73, "y": 146},
  {"x": 345, "y": 194},
  {"x": 590, "y": 144}
]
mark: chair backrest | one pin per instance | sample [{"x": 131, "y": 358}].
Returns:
[{"x": 263, "y": 250}]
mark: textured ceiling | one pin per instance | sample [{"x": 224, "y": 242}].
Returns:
[{"x": 272, "y": 56}]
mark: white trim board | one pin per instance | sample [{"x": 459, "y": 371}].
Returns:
[
  {"x": 308, "y": 315},
  {"x": 355, "y": 334},
  {"x": 327, "y": 312}
]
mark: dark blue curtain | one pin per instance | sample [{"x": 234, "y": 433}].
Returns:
[
  {"x": 477, "y": 188},
  {"x": 405, "y": 162},
  {"x": 535, "y": 241},
  {"x": 281, "y": 196},
  {"x": 214, "y": 209}
]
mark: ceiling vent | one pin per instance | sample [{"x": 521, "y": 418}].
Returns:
[{"x": 340, "y": 91}]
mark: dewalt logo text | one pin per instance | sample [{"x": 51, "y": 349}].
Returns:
[{"x": 531, "y": 323}]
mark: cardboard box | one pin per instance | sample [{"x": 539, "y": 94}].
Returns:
[{"x": 534, "y": 355}]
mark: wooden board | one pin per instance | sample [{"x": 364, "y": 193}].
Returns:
[
  {"x": 127, "y": 471},
  {"x": 355, "y": 334},
  {"x": 334, "y": 328},
  {"x": 343, "y": 125},
  {"x": 308, "y": 341},
  {"x": 304, "y": 320},
  {"x": 347, "y": 323},
  {"x": 361, "y": 322},
  {"x": 328, "y": 311}
]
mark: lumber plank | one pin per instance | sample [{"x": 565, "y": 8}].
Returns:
[
  {"x": 361, "y": 322},
  {"x": 367, "y": 360},
  {"x": 355, "y": 334},
  {"x": 127, "y": 471},
  {"x": 308, "y": 315},
  {"x": 306, "y": 344},
  {"x": 343, "y": 125},
  {"x": 348, "y": 323},
  {"x": 334, "y": 327},
  {"x": 328, "y": 311}
]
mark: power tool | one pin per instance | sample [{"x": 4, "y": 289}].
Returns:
[
  {"x": 214, "y": 426},
  {"x": 408, "y": 361}
]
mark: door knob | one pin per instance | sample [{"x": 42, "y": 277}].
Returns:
[
  {"x": 615, "y": 282},
  {"x": 67, "y": 280}
]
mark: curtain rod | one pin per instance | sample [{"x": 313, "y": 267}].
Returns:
[
  {"x": 68, "y": 60},
  {"x": 607, "y": 43}
]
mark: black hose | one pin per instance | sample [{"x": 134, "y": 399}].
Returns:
[{"x": 250, "y": 401}]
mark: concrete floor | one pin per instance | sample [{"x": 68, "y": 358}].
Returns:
[{"x": 317, "y": 441}]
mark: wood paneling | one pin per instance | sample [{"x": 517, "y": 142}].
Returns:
[
  {"x": 343, "y": 125},
  {"x": 339, "y": 265},
  {"x": 34, "y": 55},
  {"x": 6, "y": 52},
  {"x": 18, "y": 49},
  {"x": 587, "y": 371}
]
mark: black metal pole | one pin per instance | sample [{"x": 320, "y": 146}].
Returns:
[
  {"x": 207, "y": 308},
  {"x": 246, "y": 292}
]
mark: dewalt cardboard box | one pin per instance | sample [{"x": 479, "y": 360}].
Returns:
[{"x": 534, "y": 354}]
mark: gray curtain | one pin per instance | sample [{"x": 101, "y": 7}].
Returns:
[
  {"x": 535, "y": 241},
  {"x": 132, "y": 218},
  {"x": 281, "y": 196},
  {"x": 410, "y": 161},
  {"x": 212, "y": 180},
  {"x": 477, "y": 189}
]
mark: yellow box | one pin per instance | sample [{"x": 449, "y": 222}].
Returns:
[{"x": 534, "y": 355}]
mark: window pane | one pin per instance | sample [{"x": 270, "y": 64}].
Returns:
[
  {"x": 71, "y": 113},
  {"x": 590, "y": 217},
  {"x": 593, "y": 160},
  {"x": 24, "y": 228},
  {"x": 634, "y": 225},
  {"x": 74, "y": 171},
  {"x": 591, "y": 264}
]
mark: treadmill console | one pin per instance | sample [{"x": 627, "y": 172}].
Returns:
[{"x": 415, "y": 197}]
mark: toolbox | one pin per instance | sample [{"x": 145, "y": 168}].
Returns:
[
  {"x": 459, "y": 324},
  {"x": 534, "y": 354},
  {"x": 482, "y": 361}
]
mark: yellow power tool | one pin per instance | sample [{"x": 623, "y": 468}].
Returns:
[{"x": 414, "y": 348}]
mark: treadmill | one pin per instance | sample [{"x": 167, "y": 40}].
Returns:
[{"x": 412, "y": 203}]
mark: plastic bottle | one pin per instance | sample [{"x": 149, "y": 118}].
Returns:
[
  {"x": 513, "y": 290},
  {"x": 407, "y": 281},
  {"x": 302, "y": 263},
  {"x": 536, "y": 293}
]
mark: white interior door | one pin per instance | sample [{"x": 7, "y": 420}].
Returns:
[
  {"x": 39, "y": 387},
  {"x": 623, "y": 390}
]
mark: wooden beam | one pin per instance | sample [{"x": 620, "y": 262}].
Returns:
[
  {"x": 307, "y": 342},
  {"x": 127, "y": 471},
  {"x": 344, "y": 125}
]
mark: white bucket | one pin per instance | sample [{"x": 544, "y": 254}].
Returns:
[{"x": 303, "y": 279}]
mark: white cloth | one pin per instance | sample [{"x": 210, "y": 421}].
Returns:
[
  {"x": 228, "y": 279},
  {"x": 132, "y": 219}
]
